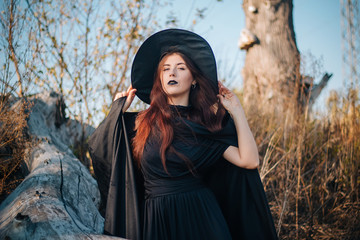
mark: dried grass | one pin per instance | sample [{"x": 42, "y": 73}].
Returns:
[
  {"x": 310, "y": 168},
  {"x": 13, "y": 143}
]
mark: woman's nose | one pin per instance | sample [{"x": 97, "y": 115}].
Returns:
[{"x": 172, "y": 73}]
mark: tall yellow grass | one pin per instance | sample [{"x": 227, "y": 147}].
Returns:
[{"x": 310, "y": 168}]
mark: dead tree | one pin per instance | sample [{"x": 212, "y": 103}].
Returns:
[
  {"x": 58, "y": 199},
  {"x": 272, "y": 66}
]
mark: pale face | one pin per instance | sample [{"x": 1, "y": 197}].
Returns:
[{"x": 176, "y": 80}]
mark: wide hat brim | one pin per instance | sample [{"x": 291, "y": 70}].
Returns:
[{"x": 150, "y": 52}]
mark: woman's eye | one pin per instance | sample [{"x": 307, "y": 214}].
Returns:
[
  {"x": 166, "y": 69},
  {"x": 182, "y": 68}
]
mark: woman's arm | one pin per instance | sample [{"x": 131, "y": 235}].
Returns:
[{"x": 246, "y": 154}]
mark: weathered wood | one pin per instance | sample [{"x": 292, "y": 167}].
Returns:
[
  {"x": 247, "y": 39},
  {"x": 59, "y": 198},
  {"x": 317, "y": 88},
  {"x": 272, "y": 66}
]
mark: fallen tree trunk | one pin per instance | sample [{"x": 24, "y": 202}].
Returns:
[{"x": 58, "y": 199}]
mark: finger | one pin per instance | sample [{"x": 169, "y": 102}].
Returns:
[
  {"x": 130, "y": 96},
  {"x": 119, "y": 95},
  {"x": 227, "y": 92},
  {"x": 132, "y": 93},
  {"x": 222, "y": 85},
  {"x": 221, "y": 98},
  {"x": 223, "y": 90},
  {"x": 129, "y": 89}
]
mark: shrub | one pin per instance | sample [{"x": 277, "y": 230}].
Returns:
[{"x": 13, "y": 143}]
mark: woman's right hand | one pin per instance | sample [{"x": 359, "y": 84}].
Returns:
[{"x": 130, "y": 94}]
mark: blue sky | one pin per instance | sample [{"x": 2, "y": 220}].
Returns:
[{"x": 317, "y": 28}]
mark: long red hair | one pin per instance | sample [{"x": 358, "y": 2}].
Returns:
[{"x": 205, "y": 110}]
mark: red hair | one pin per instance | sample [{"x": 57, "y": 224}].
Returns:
[{"x": 205, "y": 110}]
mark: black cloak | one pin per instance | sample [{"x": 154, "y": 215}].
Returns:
[{"x": 238, "y": 191}]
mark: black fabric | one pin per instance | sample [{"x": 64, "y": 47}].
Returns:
[
  {"x": 113, "y": 166},
  {"x": 150, "y": 52},
  {"x": 178, "y": 203},
  {"x": 236, "y": 202}
]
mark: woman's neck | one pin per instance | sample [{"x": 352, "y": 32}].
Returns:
[{"x": 179, "y": 102}]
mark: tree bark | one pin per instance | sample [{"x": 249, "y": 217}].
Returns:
[
  {"x": 271, "y": 72},
  {"x": 59, "y": 198},
  {"x": 272, "y": 66}
]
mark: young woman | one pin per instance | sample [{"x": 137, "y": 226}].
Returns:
[{"x": 193, "y": 145}]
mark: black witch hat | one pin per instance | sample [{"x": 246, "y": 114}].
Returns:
[{"x": 151, "y": 51}]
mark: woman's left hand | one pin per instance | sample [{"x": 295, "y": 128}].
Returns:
[
  {"x": 246, "y": 155},
  {"x": 228, "y": 99}
]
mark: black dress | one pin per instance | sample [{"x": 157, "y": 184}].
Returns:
[
  {"x": 178, "y": 203},
  {"x": 213, "y": 200}
]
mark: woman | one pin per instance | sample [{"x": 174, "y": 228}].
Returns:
[{"x": 181, "y": 143}]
